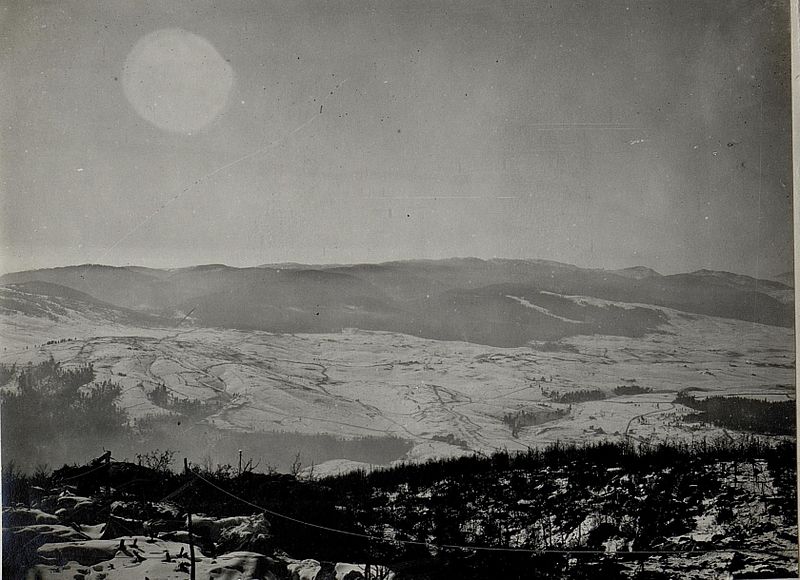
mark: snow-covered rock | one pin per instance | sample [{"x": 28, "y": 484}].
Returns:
[
  {"x": 19, "y": 516},
  {"x": 303, "y": 569}
]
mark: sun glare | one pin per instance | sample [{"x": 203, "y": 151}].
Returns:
[{"x": 177, "y": 80}]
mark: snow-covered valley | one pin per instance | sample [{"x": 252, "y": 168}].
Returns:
[{"x": 444, "y": 397}]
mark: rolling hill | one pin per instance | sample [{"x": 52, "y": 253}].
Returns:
[
  {"x": 495, "y": 302},
  {"x": 53, "y": 302}
]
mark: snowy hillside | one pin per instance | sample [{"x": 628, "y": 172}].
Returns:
[{"x": 443, "y": 397}]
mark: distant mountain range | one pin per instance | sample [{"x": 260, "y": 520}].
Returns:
[
  {"x": 785, "y": 278},
  {"x": 497, "y": 302}
]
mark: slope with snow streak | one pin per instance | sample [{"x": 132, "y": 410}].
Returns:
[{"x": 541, "y": 309}]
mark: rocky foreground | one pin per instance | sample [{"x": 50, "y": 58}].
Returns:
[
  {"x": 75, "y": 537},
  {"x": 722, "y": 510}
]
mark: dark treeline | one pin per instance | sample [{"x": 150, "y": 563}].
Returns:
[
  {"x": 55, "y": 407},
  {"x": 7, "y": 372},
  {"x": 161, "y": 397},
  {"x": 743, "y": 414},
  {"x": 626, "y": 390},
  {"x": 58, "y": 341},
  {"x": 579, "y": 396},
  {"x": 520, "y": 419}
]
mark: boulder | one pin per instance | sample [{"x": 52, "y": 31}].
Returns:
[
  {"x": 20, "y": 544},
  {"x": 117, "y": 527},
  {"x": 86, "y": 553},
  {"x": 249, "y": 533},
  {"x": 349, "y": 571},
  {"x": 79, "y": 509},
  {"x": 162, "y": 526},
  {"x": 213, "y": 528},
  {"x": 148, "y": 511},
  {"x": 19, "y": 516},
  {"x": 303, "y": 569},
  {"x": 46, "y": 533},
  {"x": 240, "y": 565},
  {"x": 314, "y": 570}
]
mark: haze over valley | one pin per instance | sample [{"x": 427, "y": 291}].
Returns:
[{"x": 415, "y": 359}]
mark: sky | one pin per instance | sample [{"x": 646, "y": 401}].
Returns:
[{"x": 602, "y": 134}]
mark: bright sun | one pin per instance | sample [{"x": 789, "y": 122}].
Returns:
[{"x": 177, "y": 80}]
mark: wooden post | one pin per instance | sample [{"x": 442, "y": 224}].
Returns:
[
  {"x": 189, "y": 526},
  {"x": 107, "y": 459}
]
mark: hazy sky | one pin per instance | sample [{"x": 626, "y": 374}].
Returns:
[{"x": 604, "y": 134}]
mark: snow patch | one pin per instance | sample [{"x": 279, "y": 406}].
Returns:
[{"x": 541, "y": 309}]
